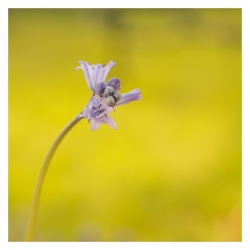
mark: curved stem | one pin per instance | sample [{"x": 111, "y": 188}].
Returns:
[{"x": 41, "y": 176}]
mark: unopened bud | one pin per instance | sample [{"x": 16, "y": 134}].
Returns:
[
  {"x": 117, "y": 96},
  {"x": 115, "y": 83},
  {"x": 99, "y": 90},
  {"x": 110, "y": 101},
  {"x": 108, "y": 91}
]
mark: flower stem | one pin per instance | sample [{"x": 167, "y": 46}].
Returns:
[{"x": 41, "y": 176}]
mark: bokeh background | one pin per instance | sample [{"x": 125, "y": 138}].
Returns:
[{"x": 172, "y": 170}]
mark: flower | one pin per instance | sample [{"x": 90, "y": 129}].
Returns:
[
  {"x": 95, "y": 74},
  {"x": 105, "y": 97}
]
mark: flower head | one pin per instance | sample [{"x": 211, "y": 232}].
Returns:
[{"x": 105, "y": 97}]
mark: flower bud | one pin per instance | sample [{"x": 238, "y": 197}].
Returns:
[
  {"x": 100, "y": 88},
  {"x": 108, "y": 91},
  {"x": 117, "y": 96},
  {"x": 115, "y": 83},
  {"x": 110, "y": 101}
]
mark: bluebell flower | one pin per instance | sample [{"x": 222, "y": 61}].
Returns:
[{"x": 105, "y": 97}]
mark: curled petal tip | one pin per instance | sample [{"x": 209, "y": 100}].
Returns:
[{"x": 112, "y": 62}]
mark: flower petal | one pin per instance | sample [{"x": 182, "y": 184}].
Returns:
[
  {"x": 106, "y": 70},
  {"x": 129, "y": 97},
  {"x": 97, "y": 74},
  {"x": 107, "y": 108},
  {"x": 95, "y": 123},
  {"x": 88, "y": 73},
  {"x": 108, "y": 120},
  {"x": 95, "y": 102}
]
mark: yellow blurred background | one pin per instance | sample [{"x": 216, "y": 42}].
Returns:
[{"x": 172, "y": 170}]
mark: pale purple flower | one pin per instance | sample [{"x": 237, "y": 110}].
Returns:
[
  {"x": 95, "y": 74},
  {"x": 105, "y": 97}
]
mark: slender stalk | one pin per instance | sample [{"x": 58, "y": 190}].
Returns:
[{"x": 41, "y": 176}]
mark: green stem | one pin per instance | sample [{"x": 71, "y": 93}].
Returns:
[{"x": 41, "y": 176}]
